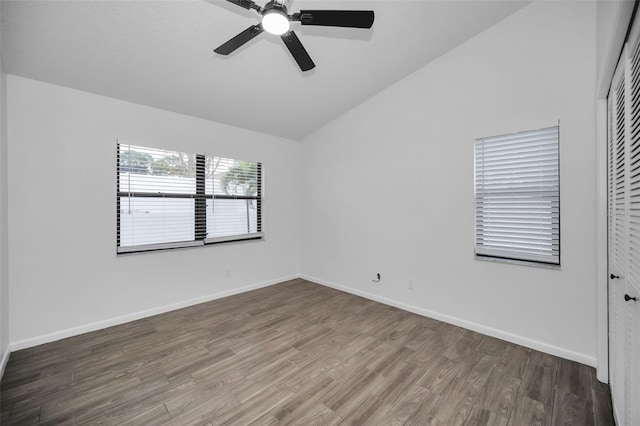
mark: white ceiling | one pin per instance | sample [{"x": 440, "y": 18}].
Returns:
[{"x": 160, "y": 53}]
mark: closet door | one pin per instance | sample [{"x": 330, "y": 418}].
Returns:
[
  {"x": 632, "y": 307},
  {"x": 624, "y": 234},
  {"x": 617, "y": 241}
]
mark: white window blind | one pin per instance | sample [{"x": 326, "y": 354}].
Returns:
[
  {"x": 171, "y": 199},
  {"x": 517, "y": 196},
  {"x": 232, "y": 211}
]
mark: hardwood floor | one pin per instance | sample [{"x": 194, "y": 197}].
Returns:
[{"x": 296, "y": 353}]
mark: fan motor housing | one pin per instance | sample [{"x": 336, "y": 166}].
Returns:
[{"x": 275, "y": 5}]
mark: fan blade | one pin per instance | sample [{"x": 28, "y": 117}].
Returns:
[
  {"x": 247, "y": 4},
  {"x": 240, "y": 39},
  {"x": 298, "y": 51},
  {"x": 338, "y": 18}
]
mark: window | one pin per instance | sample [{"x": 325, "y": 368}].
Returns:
[
  {"x": 170, "y": 199},
  {"x": 517, "y": 192}
]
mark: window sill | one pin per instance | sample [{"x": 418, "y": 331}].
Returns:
[
  {"x": 516, "y": 262},
  {"x": 189, "y": 244}
]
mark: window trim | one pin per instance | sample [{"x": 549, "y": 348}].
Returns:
[
  {"x": 200, "y": 198},
  {"x": 488, "y": 256}
]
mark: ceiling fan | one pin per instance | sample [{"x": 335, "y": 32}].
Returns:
[{"x": 276, "y": 20}]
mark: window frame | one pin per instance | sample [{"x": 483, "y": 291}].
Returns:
[
  {"x": 200, "y": 198},
  {"x": 518, "y": 257}
]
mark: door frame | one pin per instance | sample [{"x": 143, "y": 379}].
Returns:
[{"x": 602, "y": 266}]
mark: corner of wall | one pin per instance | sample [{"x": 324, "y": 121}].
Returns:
[
  {"x": 4, "y": 227},
  {"x": 496, "y": 81},
  {"x": 3, "y": 361},
  {"x": 612, "y": 21}
]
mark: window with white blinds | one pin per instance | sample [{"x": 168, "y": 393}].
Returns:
[
  {"x": 517, "y": 197},
  {"x": 171, "y": 199},
  {"x": 235, "y": 199}
]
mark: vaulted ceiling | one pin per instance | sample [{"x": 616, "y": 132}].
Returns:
[{"x": 160, "y": 53}]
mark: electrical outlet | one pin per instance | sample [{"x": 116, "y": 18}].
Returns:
[
  {"x": 227, "y": 272},
  {"x": 377, "y": 278},
  {"x": 410, "y": 286}
]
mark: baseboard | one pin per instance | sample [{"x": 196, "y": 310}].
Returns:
[
  {"x": 70, "y": 332},
  {"x": 602, "y": 374},
  {"x": 499, "y": 334},
  {"x": 616, "y": 418},
  {"x": 5, "y": 359}
]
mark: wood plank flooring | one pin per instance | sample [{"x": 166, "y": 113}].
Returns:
[{"x": 296, "y": 353}]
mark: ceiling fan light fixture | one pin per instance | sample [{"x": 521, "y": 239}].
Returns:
[{"x": 275, "y": 22}]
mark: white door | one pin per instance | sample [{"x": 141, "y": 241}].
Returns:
[
  {"x": 617, "y": 240},
  {"x": 632, "y": 293},
  {"x": 624, "y": 234}
]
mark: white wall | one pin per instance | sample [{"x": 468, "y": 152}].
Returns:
[
  {"x": 389, "y": 185},
  {"x": 64, "y": 274},
  {"x": 4, "y": 253}
]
